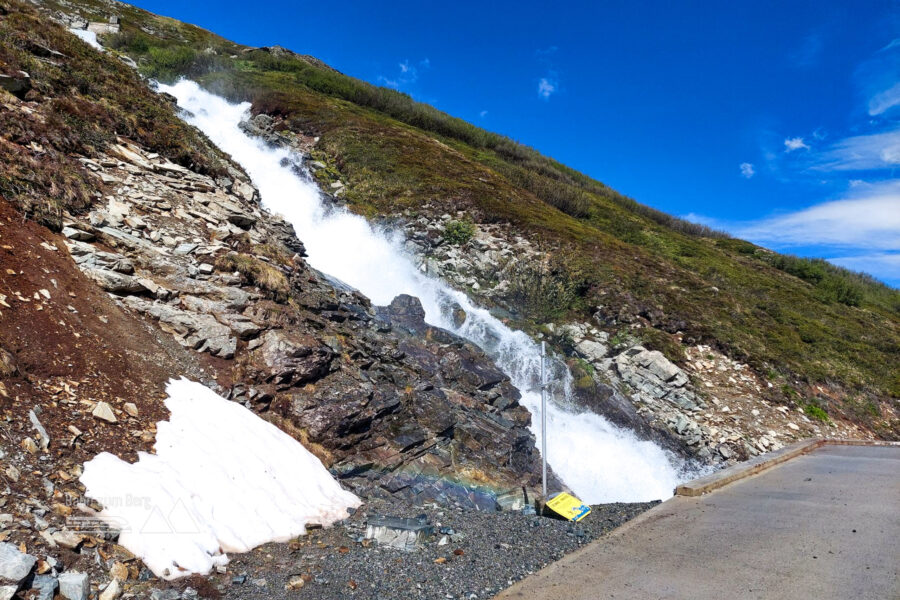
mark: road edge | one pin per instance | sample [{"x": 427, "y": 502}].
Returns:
[{"x": 745, "y": 469}]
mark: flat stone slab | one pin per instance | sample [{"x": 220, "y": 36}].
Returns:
[{"x": 822, "y": 525}]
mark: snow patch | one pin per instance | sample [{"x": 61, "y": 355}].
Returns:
[
  {"x": 88, "y": 36},
  {"x": 222, "y": 480}
]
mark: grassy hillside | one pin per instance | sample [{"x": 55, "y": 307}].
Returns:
[{"x": 800, "y": 322}]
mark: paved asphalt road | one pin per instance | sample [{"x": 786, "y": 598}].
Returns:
[{"x": 821, "y": 526}]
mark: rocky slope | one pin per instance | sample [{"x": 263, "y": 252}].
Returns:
[
  {"x": 161, "y": 263},
  {"x": 711, "y": 408}
]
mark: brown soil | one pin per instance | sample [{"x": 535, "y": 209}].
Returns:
[{"x": 70, "y": 351}]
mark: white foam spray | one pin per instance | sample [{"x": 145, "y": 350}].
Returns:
[{"x": 598, "y": 460}]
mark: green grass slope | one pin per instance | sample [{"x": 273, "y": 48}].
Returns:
[{"x": 828, "y": 334}]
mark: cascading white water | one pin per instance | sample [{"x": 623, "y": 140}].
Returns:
[{"x": 599, "y": 461}]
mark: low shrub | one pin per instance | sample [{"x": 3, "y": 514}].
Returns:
[
  {"x": 256, "y": 272},
  {"x": 815, "y": 411},
  {"x": 459, "y": 232}
]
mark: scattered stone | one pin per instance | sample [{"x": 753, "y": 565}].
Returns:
[
  {"x": 30, "y": 446},
  {"x": 295, "y": 583},
  {"x": 135, "y": 222},
  {"x": 131, "y": 409},
  {"x": 45, "y": 586},
  {"x": 112, "y": 591},
  {"x": 119, "y": 571},
  {"x": 74, "y": 585},
  {"x": 13, "y": 473},
  {"x": 591, "y": 351},
  {"x": 104, "y": 411},
  {"x": 14, "y": 565},
  {"x": 77, "y": 234},
  {"x": 185, "y": 248},
  {"x": 117, "y": 283},
  {"x": 396, "y": 532},
  {"x": 45, "y": 437},
  {"x": 67, "y": 539}
]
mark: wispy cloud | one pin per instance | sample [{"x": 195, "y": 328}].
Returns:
[
  {"x": 884, "y": 100},
  {"x": 795, "y": 143},
  {"x": 866, "y": 217},
  {"x": 747, "y": 170},
  {"x": 861, "y": 153},
  {"x": 877, "y": 80},
  {"x": 547, "y": 87},
  {"x": 895, "y": 43},
  {"x": 483, "y": 114},
  {"x": 407, "y": 74}
]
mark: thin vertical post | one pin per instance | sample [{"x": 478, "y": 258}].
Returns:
[{"x": 543, "y": 424}]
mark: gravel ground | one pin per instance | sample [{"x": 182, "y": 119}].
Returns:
[{"x": 486, "y": 553}]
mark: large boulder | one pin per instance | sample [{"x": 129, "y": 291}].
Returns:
[
  {"x": 592, "y": 351},
  {"x": 293, "y": 358},
  {"x": 649, "y": 371},
  {"x": 201, "y": 332},
  {"x": 16, "y": 84},
  {"x": 405, "y": 311},
  {"x": 116, "y": 283},
  {"x": 15, "y": 566}
]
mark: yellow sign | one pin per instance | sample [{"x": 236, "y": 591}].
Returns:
[{"x": 568, "y": 506}]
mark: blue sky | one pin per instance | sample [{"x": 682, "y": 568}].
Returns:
[{"x": 776, "y": 121}]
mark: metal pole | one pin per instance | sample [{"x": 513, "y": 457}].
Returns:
[{"x": 543, "y": 425}]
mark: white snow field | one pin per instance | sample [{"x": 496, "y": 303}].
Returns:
[{"x": 222, "y": 480}]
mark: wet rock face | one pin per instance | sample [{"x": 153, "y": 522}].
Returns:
[
  {"x": 291, "y": 359},
  {"x": 422, "y": 405},
  {"x": 393, "y": 404}
]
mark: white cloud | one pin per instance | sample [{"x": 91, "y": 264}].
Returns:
[
  {"x": 869, "y": 217},
  {"x": 797, "y": 143},
  {"x": 747, "y": 170},
  {"x": 862, "y": 153},
  {"x": 885, "y": 100},
  {"x": 483, "y": 114},
  {"x": 404, "y": 66},
  {"x": 547, "y": 87}
]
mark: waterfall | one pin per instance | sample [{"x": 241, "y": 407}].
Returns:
[{"x": 598, "y": 460}]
